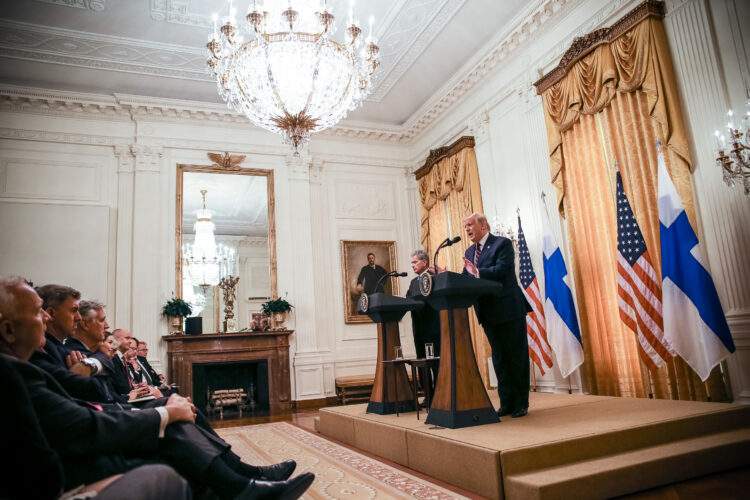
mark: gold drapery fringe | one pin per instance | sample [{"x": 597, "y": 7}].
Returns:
[
  {"x": 614, "y": 102},
  {"x": 449, "y": 191}
]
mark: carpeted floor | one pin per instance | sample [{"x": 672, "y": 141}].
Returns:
[{"x": 339, "y": 471}]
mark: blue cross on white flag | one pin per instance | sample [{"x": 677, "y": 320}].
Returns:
[
  {"x": 694, "y": 322},
  {"x": 563, "y": 332}
]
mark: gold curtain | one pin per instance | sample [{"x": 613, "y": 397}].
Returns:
[
  {"x": 449, "y": 191},
  {"x": 614, "y": 103}
]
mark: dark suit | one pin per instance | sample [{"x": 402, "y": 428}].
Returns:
[
  {"x": 503, "y": 318},
  {"x": 425, "y": 327},
  {"x": 369, "y": 277},
  {"x": 52, "y": 360},
  {"x": 425, "y": 322},
  {"x": 94, "y": 444},
  {"x": 155, "y": 379}
]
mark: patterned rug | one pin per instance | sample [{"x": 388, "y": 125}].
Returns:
[{"x": 339, "y": 471}]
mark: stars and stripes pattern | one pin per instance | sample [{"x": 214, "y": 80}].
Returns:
[
  {"x": 539, "y": 349},
  {"x": 639, "y": 287}
]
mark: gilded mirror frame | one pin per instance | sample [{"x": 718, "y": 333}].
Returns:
[{"x": 215, "y": 169}]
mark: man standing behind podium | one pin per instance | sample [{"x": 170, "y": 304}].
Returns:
[
  {"x": 502, "y": 317},
  {"x": 425, "y": 322}
]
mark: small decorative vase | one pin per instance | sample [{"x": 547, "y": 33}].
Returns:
[
  {"x": 176, "y": 325},
  {"x": 277, "y": 320}
]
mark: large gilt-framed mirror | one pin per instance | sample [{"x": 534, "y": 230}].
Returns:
[{"x": 240, "y": 204}]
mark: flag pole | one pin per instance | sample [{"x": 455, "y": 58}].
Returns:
[
  {"x": 725, "y": 379},
  {"x": 708, "y": 391},
  {"x": 533, "y": 375},
  {"x": 570, "y": 389}
]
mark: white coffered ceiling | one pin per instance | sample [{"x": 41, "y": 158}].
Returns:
[{"x": 156, "y": 47}]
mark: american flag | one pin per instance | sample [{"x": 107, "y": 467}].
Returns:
[
  {"x": 639, "y": 287},
  {"x": 539, "y": 349}
]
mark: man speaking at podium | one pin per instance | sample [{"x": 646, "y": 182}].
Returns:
[{"x": 502, "y": 317}]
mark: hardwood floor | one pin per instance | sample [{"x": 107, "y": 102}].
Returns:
[{"x": 304, "y": 418}]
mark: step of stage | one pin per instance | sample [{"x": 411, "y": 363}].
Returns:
[
  {"x": 633, "y": 471},
  {"x": 572, "y": 440}
]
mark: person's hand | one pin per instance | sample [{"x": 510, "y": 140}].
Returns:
[
  {"x": 359, "y": 288},
  {"x": 140, "y": 390},
  {"x": 73, "y": 360},
  {"x": 163, "y": 378},
  {"x": 437, "y": 270},
  {"x": 471, "y": 268},
  {"x": 155, "y": 392},
  {"x": 180, "y": 408}
]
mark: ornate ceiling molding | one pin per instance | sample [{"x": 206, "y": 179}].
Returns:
[
  {"x": 95, "y": 5},
  {"x": 33, "y": 42},
  {"x": 402, "y": 43}
]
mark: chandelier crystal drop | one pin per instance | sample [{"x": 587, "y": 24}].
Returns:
[
  {"x": 206, "y": 262},
  {"x": 290, "y": 77},
  {"x": 733, "y": 154}
]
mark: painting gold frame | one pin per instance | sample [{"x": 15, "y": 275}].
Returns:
[
  {"x": 223, "y": 170},
  {"x": 353, "y": 258}
]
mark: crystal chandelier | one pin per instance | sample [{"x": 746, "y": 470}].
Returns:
[
  {"x": 204, "y": 261},
  {"x": 734, "y": 157},
  {"x": 291, "y": 77}
]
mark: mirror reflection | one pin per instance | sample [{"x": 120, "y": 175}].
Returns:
[{"x": 226, "y": 259}]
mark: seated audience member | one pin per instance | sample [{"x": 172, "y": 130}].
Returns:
[
  {"x": 152, "y": 378},
  {"x": 94, "y": 444},
  {"x": 264, "y": 327},
  {"x": 109, "y": 346},
  {"x": 254, "y": 326},
  {"x": 33, "y": 458},
  {"x": 89, "y": 331},
  {"x": 68, "y": 367}
]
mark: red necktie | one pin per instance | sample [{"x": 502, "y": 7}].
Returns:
[{"x": 477, "y": 253}]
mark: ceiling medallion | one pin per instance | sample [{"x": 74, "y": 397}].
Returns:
[{"x": 290, "y": 77}]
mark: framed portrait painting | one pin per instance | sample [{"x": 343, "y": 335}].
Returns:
[{"x": 363, "y": 264}]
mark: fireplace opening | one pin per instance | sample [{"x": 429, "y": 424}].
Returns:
[{"x": 231, "y": 389}]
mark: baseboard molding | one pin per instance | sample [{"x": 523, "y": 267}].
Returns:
[{"x": 308, "y": 404}]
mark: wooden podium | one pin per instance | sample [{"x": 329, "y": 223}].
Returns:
[
  {"x": 391, "y": 391},
  {"x": 460, "y": 398}
]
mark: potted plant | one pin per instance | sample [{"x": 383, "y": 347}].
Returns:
[
  {"x": 176, "y": 309},
  {"x": 276, "y": 309}
]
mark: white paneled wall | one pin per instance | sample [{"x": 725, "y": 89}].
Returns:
[{"x": 87, "y": 191}]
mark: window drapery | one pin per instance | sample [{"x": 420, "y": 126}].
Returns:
[
  {"x": 449, "y": 191},
  {"x": 611, "y": 98}
]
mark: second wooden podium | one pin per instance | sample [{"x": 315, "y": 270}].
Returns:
[
  {"x": 460, "y": 398},
  {"x": 391, "y": 391}
]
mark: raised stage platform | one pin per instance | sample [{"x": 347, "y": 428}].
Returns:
[{"x": 568, "y": 446}]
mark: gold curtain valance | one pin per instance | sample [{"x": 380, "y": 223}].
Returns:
[{"x": 631, "y": 55}]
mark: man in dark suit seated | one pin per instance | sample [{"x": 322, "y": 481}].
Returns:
[
  {"x": 425, "y": 322},
  {"x": 68, "y": 366},
  {"x": 502, "y": 317},
  {"x": 94, "y": 444},
  {"x": 34, "y": 458}
]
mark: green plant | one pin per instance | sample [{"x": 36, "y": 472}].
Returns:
[
  {"x": 176, "y": 308},
  {"x": 278, "y": 305}
]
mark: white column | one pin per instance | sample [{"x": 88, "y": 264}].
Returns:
[
  {"x": 120, "y": 314},
  {"x": 723, "y": 213},
  {"x": 313, "y": 367},
  {"x": 479, "y": 126},
  {"x": 147, "y": 296}
]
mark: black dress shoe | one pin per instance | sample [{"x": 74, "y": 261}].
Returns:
[
  {"x": 277, "y": 490},
  {"x": 503, "y": 411},
  {"x": 521, "y": 412},
  {"x": 278, "y": 472}
]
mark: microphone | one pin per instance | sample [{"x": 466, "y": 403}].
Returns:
[
  {"x": 446, "y": 243},
  {"x": 386, "y": 275}
]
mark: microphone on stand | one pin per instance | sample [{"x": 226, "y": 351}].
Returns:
[
  {"x": 386, "y": 275},
  {"x": 446, "y": 243}
]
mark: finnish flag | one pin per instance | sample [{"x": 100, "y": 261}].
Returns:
[
  {"x": 563, "y": 332},
  {"x": 694, "y": 322}
]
